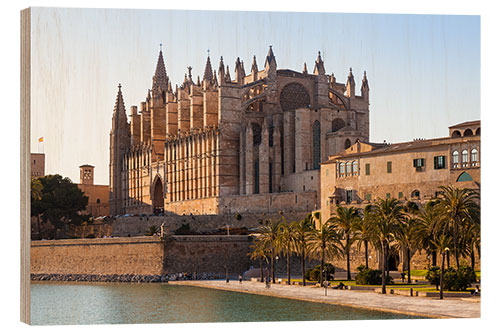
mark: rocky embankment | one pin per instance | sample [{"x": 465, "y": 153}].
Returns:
[{"x": 120, "y": 277}]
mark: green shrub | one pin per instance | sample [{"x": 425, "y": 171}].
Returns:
[
  {"x": 153, "y": 230},
  {"x": 237, "y": 216},
  {"x": 90, "y": 236},
  {"x": 433, "y": 276},
  {"x": 460, "y": 280},
  {"x": 368, "y": 276},
  {"x": 313, "y": 274},
  {"x": 184, "y": 229}
]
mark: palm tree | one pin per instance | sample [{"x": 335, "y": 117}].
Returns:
[
  {"x": 285, "y": 242},
  {"x": 325, "y": 243},
  {"x": 442, "y": 244},
  {"x": 259, "y": 253},
  {"x": 345, "y": 221},
  {"x": 269, "y": 234},
  {"x": 387, "y": 215},
  {"x": 362, "y": 231},
  {"x": 458, "y": 207},
  {"x": 405, "y": 239},
  {"x": 427, "y": 219},
  {"x": 301, "y": 232}
]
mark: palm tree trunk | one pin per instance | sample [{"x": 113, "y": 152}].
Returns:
[
  {"x": 455, "y": 241},
  {"x": 384, "y": 264},
  {"x": 288, "y": 266},
  {"x": 322, "y": 266},
  {"x": 303, "y": 259},
  {"x": 441, "y": 279},
  {"x": 408, "y": 265},
  {"x": 272, "y": 266},
  {"x": 261, "y": 271},
  {"x": 472, "y": 258},
  {"x": 348, "y": 261},
  {"x": 434, "y": 258},
  {"x": 366, "y": 253}
]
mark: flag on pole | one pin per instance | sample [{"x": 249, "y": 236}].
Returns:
[{"x": 41, "y": 139}]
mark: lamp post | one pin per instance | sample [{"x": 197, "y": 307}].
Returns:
[
  {"x": 227, "y": 275},
  {"x": 276, "y": 268}
]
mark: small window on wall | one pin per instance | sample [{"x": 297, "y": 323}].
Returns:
[
  {"x": 439, "y": 162},
  {"x": 355, "y": 168},
  {"x": 388, "y": 195},
  {"x": 98, "y": 200},
  {"x": 368, "y": 197},
  {"x": 389, "y": 167},
  {"x": 418, "y": 164},
  {"x": 327, "y": 172},
  {"x": 367, "y": 169},
  {"x": 400, "y": 195}
]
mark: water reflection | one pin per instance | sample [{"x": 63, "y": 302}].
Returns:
[{"x": 67, "y": 303}]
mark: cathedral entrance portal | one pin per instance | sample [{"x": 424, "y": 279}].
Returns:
[{"x": 158, "y": 196}]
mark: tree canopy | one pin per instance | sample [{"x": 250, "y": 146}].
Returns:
[{"x": 58, "y": 201}]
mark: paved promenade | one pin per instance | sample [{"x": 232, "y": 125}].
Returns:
[{"x": 419, "y": 306}]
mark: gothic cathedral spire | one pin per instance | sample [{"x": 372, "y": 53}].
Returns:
[
  {"x": 208, "y": 75},
  {"x": 160, "y": 79}
]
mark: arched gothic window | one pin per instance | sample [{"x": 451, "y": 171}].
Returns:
[
  {"x": 465, "y": 158},
  {"x": 473, "y": 157},
  {"x": 316, "y": 144},
  {"x": 464, "y": 177},
  {"x": 348, "y": 168},
  {"x": 355, "y": 168},
  {"x": 455, "y": 159},
  {"x": 342, "y": 170},
  {"x": 257, "y": 134},
  {"x": 347, "y": 143}
]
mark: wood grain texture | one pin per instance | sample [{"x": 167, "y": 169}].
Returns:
[{"x": 24, "y": 162}]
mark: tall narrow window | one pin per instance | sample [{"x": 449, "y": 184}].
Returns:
[
  {"x": 256, "y": 177},
  {"x": 354, "y": 168},
  {"x": 270, "y": 178},
  {"x": 439, "y": 162},
  {"x": 465, "y": 158},
  {"x": 347, "y": 143},
  {"x": 389, "y": 167},
  {"x": 473, "y": 157},
  {"x": 367, "y": 169},
  {"x": 316, "y": 144},
  {"x": 455, "y": 159},
  {"x": 348, "y": 168}
]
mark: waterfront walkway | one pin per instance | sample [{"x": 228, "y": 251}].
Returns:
[{"x": 418, "y": 306}]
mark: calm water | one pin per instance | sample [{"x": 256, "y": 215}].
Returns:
[{"x": 65, "y": 303}]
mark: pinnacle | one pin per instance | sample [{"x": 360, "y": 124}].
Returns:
[
  {"x": 207, "y": 76},
  {"x": 160, "y": 79}
]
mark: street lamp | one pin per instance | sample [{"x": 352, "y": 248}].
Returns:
[
  {"x": 276, "y": 268},
  {"x": 227, "y": 276}
]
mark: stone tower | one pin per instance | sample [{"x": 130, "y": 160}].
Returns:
[
  {"x": 119, "y": 142},
  {"x": 87, "y": 174}
]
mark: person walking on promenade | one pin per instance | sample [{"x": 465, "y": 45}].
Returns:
[{"x": 240, "y": 278}]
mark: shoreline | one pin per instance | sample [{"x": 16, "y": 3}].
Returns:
[{"x": 431, "y": 308}]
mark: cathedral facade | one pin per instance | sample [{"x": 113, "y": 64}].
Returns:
[{"x": 229, "y": 145}]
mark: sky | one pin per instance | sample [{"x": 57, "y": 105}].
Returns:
[{"x": 423, "y": 70}]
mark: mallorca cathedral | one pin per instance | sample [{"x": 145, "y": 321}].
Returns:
[{"x": 252, "y": 142}]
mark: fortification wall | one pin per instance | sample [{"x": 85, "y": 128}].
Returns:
[
  {"x": 137, "y": 225},
  {"x": 141, "y": 255}
]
